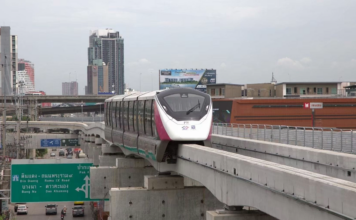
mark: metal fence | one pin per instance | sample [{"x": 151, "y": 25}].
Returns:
[{"x": 343, "y": 140}]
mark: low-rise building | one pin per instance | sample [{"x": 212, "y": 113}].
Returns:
[
  {"x": 225, "y": 90},
  {"x": 310, "y": 89}
]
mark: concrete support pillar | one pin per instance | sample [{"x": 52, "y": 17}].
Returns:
[
  {"x": 90, "y": 150},
  {"x": 168, "y": 200},
  {"x": 237, "y": 215},
  {"x": 96, "y": 153},
  {"x": 126, "y": 172},
  {"x": 108, "y": 160}
]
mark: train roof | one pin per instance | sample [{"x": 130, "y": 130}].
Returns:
[{"x": 134, "y": 96}]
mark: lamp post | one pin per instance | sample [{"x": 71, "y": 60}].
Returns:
[{"x": 82, "y": 111}]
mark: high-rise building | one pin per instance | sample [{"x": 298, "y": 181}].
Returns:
[
  {"x": 70, "y": 88},
  {"x": 25, "y": 65},
  {"x": 27, "y": 82},
  {"x": 8, "y": 59},
  {"x": 108, "y": 46},
  {"x": 97, "y": 78}
]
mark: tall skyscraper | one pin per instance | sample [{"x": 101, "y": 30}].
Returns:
[
  {"x": 8, "y": 60},
  {"x": 70, "y": 88},
  {"x": 107, "y": 46},
  {"x": 25, "y": 65},
  {"x": 97, "y": 78}
]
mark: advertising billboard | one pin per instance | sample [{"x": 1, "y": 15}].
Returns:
[{"x": 177, "y": 78}]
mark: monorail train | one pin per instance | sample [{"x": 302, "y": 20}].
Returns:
[{"x": 152, "y": 124}]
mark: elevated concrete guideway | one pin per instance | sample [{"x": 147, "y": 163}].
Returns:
[
  {"x": 280, "y": 191},
  {"x": 59, "y": 98}
]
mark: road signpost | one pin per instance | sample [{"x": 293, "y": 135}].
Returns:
[
  {"x": 50, "y": 180},
  {"x": 73, "y": 142},
  {"x": 313, "y": 106},
  {"x": 50, "y": 142}
]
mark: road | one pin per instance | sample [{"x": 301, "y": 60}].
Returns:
[{"x": 36, "y": 211}]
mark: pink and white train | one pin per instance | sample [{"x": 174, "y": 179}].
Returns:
[{"x": 152, "y": 124}]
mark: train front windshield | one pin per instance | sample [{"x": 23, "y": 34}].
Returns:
[{"x": 184, "y": 104}]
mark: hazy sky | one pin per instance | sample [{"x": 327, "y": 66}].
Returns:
[{"x": 298, "y": 40}]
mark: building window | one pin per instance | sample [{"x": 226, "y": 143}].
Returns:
[
  {"x": 314, "y": 90},
  {"x": 270, "y": 92},
  {"x": 212, "y": 92},
  {"x": 320, "y": 90},
  {"x": 289, "y": 91},
  {"x": 295, "y": 90},
  {"x": 308, "y": 90},
  {"x": 327, "y": 90},
  {"x": 223, "y": 91},
  {"x": 259, "y": 92}
]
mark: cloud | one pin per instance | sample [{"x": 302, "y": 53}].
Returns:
[
  {"x": 144, "y": 61},
  {"x": 223, "y": 65},
  {"x": 295, "y": 64}
]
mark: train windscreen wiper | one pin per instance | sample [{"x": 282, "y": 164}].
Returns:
[{"x": 195, "y": 107}]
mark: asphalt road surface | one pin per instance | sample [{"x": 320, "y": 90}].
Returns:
[{"x": 36, "y": 211}]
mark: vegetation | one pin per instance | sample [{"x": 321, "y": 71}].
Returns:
[
  {"x": 41, "y": 152},
  {"x": 14, "y": 118}
]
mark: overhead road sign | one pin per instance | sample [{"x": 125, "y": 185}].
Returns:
[
  {"x": 50, "y": 180},
  {"x": 73, "y": 142},
  {"x": 50, "y": 142}
]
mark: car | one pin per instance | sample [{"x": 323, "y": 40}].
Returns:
[
  {"x": 22, "y": 209},
  {"x": 61, "y": 153},
  {"x": 53, "y": 154},
  {"x": 51, "y": 209},
  {"x": 54, "y": 149},
  {"x": 17, "y": 205},
  {"x": 69, "y": 156},
  {"x": 78, "y": 210},
  {"x": 82, "y": 155}
]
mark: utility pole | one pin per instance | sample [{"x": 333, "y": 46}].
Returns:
[{"x": 3, "y": 139}]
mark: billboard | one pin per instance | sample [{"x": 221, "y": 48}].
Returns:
[{"x": 177, "y": 78}]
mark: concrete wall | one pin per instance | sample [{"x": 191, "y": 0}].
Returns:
[
  {"x": 141, "y": 204},
  {"x": 280, "y": 90},
  {"x": 330, "y": 163}
]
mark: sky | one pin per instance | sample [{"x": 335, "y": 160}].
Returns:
[{"x": 244, "y": 40}]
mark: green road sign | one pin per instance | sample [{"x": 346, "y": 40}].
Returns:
[
  {"x": 70, "y": 142},
  {"x": 50, "y": 181}
]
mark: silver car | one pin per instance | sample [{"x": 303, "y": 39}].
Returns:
[
  {"x": 78, "y": 210},
  {"x": 22, "y": 209},
  {"x": 51, "y": 209}
]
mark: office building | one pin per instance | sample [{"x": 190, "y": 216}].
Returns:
[
  {"x": 70, "y": 88},
  {"x": 97, "y": 78},
  {"x": 25, "y": 65},
  {"x": 8, "y": 59},
  {"x": 27, "y": 82},
  {"x": 108, "y": 47}
]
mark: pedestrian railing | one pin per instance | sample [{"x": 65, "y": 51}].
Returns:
[{"x": 343, "y": 140}]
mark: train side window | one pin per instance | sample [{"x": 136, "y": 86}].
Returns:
[
  {"x": 130, "y": 116},
  {"x": 127, "y": 126},
  {"x": 134, "y": 116},
  {"x": 148, "y": 117},
  {"x": 124, "y": 116},
  {"x": 154, "y": 129},
  {"x": 119, "y": 114},
  {"x": 109, "y": 114},
  {"x": 115, "y": 114},
  {"x": 141, "y": 117}
]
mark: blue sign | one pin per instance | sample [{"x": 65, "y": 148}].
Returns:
[{"x": 50, "y": 142}]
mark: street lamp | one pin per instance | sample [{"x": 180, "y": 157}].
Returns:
[{"x": 82, "y": 111}]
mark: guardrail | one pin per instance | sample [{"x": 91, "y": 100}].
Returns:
[{"x": 343, "y": 140}]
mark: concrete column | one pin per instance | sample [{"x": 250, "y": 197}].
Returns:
[
  {"x": 168, "y": 200},
  {"x": 96, "y": 154},
  {"x": 126, "y": 172},
  {"x": 237, "y": 215}
]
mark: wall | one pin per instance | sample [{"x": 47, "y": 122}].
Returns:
[
  {"x": 262, "y": 111},
  {"x": 311, "y": 88},
  {"x": 280, "y": 90},
  {"x": 265, "y": 90},
  {"x": 232, "y": 91}
]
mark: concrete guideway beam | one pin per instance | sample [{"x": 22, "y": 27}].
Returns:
[
  {"x": 237, "y": 215},
  {"x": 127, "y": 173},
  {"x": 330, "y": 163},
  {"x": 166, "y": 203},
  {"x": 280, "y": 191}
]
